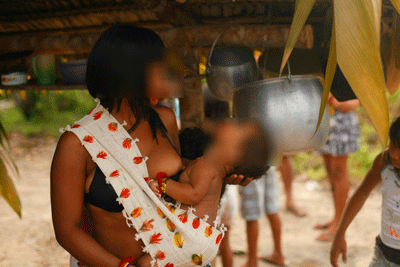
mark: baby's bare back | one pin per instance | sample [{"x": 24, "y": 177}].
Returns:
[{"x": 209, "y": 176}]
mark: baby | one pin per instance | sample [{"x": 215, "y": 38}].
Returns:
[{"x": 201, "y": 183}]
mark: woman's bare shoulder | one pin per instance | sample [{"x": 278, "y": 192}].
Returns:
[
  {"x": 167, "y": 116},
  {"x": 70, "y": 143}
]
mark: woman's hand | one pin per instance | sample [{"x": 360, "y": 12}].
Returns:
[
  {"x": 339, "y": 246},
  {"x": 238, "y": 179}
]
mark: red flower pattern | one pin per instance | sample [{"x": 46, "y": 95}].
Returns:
[
  {"x": 75, "y": 126},
  {"x": 88, "y": 138},
  {"x": 160, "y": 255},
  {"x": 183, "y": 218},
  {"x": 137, "y": 212},
  {"x": 127, "y": 143},
  {"x": 112, "y": 126},
  {"x": 155, "y": 239},
  {"x": 125, "y": 193},
  {"x": 137, "y": 160},
  {"x": 102, "y": 155},
  {"x": 196, "y": 223},
  {"x": 219, "y": 237},
  {"x": 114, "y": 173},
  {"x": 169, "y": 265},
  {"x": 147, "y": 225},
  {"x": 97, "y": 115}
]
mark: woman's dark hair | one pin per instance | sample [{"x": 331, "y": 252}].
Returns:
[
  {"x": 394, "y": 133},
  {"x": 117, "y": 65}
]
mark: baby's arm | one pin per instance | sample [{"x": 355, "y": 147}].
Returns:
[
  {"x": 153, "y": 184},
  {"x": 201, "y": 175},
  {"x": 354, "y": 205}
]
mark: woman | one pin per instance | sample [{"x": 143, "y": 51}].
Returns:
[
  {"x": 76, "y": 181},
  {"x": 116, "y": 75},
  {"x": 343, "y": 140}
]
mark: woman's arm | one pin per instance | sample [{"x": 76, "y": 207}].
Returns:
[
  {"x": 357, "y": 200},
  {"x": 68, "y": 174},
  {"x": 201, "y": 176},
  {"x": 344, "y": 106}
]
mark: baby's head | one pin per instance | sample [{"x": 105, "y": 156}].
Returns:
[{"x": 193, "y": 142}]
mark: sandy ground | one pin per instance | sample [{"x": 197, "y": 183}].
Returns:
[{"x": 30, "y": 241}]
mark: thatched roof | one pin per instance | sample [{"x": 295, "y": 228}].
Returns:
[
  {"x": 191, "y": 22},
  {"x": 31, "y": 16}
]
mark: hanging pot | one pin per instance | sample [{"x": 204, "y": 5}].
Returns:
[
  {"x": 288, "y": 108},
  {"x": 229, "y": 68}
]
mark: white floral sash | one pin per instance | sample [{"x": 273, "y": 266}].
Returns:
[{"x": 172, "y": 236}]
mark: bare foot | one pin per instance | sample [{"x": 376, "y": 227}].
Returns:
[
  {"x": 322, "y": 226},
  {"x": 274, "y": 259},
  {"x": 296, "y": 210},
  {"x": 249, "y": 264},
  {"x": 327, "y": 235}
]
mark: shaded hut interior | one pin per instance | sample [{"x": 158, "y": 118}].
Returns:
[{"x": 69, "y": 29}]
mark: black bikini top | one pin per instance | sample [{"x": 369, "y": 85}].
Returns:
[{"x": 102, "y": 195}]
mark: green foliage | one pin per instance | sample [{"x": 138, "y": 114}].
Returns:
[{"x": 50, "y": 112}]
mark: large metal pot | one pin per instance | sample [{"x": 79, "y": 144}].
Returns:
[
  {"x": 288, "y": 108},
  {"x": 229, "y": 68}
]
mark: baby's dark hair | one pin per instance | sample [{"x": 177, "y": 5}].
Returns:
[
  {"x": 394, "y": 133},
  {"x": 250, "y": 171},
  {"x": 193, "y": 142}
]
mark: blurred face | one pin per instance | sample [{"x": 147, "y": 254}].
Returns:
[
  {"x": 163, "y": 82},
  {"x": 394, "y": 153}
]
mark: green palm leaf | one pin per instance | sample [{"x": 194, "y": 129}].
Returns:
[
  {"x": 358, "y": 55},
  {"x": 7, "y": 188},
  {"x": 302, "y": 10}
]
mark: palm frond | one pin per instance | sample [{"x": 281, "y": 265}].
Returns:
[
  {"x": 358, "y": 55},
  {"x": 302, "y": 11}
]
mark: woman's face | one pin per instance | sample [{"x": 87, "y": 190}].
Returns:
[{"x": 394, "y": 153}]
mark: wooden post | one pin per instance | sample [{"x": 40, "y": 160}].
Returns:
[{"x": 191, "y": 104}]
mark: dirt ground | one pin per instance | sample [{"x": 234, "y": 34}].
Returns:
[{"x": 30, "y": 241}]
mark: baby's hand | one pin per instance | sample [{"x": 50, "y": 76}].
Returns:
[{"x": 153, "y": 184}]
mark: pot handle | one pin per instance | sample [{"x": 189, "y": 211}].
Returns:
[
  {"x": 213, "y": 45},
  {"x": 284, "y": 45}
]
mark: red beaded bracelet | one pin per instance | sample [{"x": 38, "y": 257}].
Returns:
[{"x": 126, "y": 262}]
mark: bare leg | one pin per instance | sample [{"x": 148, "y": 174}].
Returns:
[
  {"x": 226, "y": 252},
  {"x": 252, "y": 243},
  {"x": 339, "y": 179},
  {"x": 276, "y": 227},
  {"x": 287, "y": 177}
]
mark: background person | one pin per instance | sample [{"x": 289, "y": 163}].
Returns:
[
  {"x": 258, "y": 198},
  {"x": 385, "y": 170},
  {"x": 343, "y": 139}
]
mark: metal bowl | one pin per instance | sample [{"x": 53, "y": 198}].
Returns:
[
  {"x": 229, "y": 68},
  {"x": 288, "y": 109}
]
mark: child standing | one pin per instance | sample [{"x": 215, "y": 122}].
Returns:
[{"x": 385, "y": 169}]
